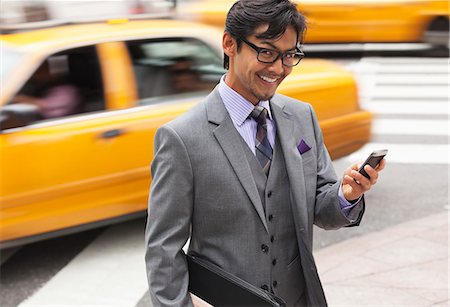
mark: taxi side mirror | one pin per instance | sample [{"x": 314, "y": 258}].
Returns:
[{"x": 18, "y": 115}]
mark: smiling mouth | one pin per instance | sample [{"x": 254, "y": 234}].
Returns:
[{"x": 268, "y": 79}]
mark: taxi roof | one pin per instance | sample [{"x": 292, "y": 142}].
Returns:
[
  {"x": 65, "y": 36},
  {"x": 84, "y": 33}
]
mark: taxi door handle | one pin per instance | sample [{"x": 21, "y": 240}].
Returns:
[{"x": 111, "y": 133}]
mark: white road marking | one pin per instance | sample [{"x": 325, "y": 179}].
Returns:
[
  {"x": 407, "y": 107},
  {"x": 414, "y": 92},
  {"x": 436, "y": 127},
  {"x": 372, "y": 67},
  {"x": 404, "y": 153},
  {"x": 108, "y": 272},
  {"x": 412, "y": 79},
  {"x": 409, "y": 61},
  {"x": 406, "y": 101}
]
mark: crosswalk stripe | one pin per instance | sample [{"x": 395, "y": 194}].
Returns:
[
  {"x": 415, "y": 92},
  {"x": 406, "y": 101},
  {"x": 371, "y": 68},
  {"x": 105, "y": 273},
  {"x": 436, "y": 127},
  {"x": 378, "y": 66},
  {"x": 408, "y": 61},
  {"x": 400, "y": 61},
  {"x": 411, "y": 79},
  {"x": 405, "y": 153},
  {"x": 407, "y": 108}
]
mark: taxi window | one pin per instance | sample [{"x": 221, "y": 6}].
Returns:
[
  {"x": 174, "y": 67},
  {"x": 65, "y": 84}
]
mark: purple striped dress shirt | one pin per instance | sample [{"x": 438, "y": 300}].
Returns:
[{"x": 240, "y": 108}]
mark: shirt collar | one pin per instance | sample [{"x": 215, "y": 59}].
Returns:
[{"x": 237, "y": 106}]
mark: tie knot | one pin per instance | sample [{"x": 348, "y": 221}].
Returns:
[{"x": 259, "y": 114}]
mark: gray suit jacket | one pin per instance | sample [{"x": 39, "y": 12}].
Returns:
[{"x": 203, "y": 188}]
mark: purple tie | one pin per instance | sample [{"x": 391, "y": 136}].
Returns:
[{"x": 263, "y": 149}]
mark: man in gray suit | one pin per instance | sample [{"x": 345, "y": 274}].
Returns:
[{"x": 245, "y": 173}]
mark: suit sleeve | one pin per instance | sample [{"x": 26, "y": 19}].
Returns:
[
  {"x": 168, "y": 224},
  {"x": 328, "y": 213}
]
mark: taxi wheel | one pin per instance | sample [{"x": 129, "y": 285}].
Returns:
[{"x": 437, "y": 33}]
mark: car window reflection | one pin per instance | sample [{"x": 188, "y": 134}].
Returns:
[{"x": 173, "y": 67}]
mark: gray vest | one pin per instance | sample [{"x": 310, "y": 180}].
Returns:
[{"x": 286, "y": 276}]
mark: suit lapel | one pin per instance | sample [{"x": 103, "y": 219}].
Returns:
[
  {"x": 289, "y": 135},
  {"x": 229, "y": 139}
]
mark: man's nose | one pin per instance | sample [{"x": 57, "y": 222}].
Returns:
[{"x": 277, "y": 66}]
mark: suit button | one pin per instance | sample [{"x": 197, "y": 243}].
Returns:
[
  {"x": 264, "y": 248},
  {"x": 269, "y": 194},
  {"x": 270, "y": 217},
  {"x": 275, "y": 283},
  {"x": 274, "y": 262},
  {"x": 272, "y": 238},
  {"x": 265, "y": 287}
]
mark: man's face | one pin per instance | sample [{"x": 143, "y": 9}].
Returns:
[{"x": 252, "y": 79}]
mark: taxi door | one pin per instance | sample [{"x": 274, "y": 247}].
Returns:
[{"x": 76, "y": 170}]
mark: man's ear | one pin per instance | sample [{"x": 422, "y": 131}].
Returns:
[{"x": 229, "y": 44}]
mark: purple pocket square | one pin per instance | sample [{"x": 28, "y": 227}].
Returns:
[{"x": 303, "y": 147}]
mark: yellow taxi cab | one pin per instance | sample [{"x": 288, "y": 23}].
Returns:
[
  {"x": 347, "y": 21},
  {"x": 66, "y": 168}
]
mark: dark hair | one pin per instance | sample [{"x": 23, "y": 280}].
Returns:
[{"x": 246, "y": 15}]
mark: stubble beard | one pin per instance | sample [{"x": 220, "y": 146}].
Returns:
[{"x": 262, "y": 96}]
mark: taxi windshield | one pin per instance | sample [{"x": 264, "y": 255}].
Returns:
[{"x": 9, "y": 59}]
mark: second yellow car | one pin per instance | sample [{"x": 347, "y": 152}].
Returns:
[{"x": 352, "y": 21}]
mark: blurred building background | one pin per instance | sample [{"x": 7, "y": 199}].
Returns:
[{"x": 29, "y": 12}]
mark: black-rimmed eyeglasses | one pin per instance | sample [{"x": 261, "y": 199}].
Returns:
[{"x": 270, "y": 56}]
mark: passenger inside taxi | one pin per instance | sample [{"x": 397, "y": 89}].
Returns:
[
  {"x": 58, "y": 100},
  {"x": 55, "y": 98},
  {"x": 63, "y": 85},
  {"x": 183, "y": 77}
]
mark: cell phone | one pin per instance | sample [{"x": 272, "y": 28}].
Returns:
[{"x": 373, "y": 159}]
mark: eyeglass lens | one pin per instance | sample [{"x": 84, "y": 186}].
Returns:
[{"x": 270, "y": 56}]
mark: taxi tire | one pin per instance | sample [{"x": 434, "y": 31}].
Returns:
[{"x": 437, "y": 33}]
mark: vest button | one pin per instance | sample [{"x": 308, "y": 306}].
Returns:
[
  {"x": 275, "y": 283},
  {"x": 274, "y": 262},
  {"x": 269, "y": 194},
  {"x": 265, "y": 287},
  {"x": 272, "y": 238},
  {"x": 264, "y": 248},
  {"x": 270, "y": 217}
]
